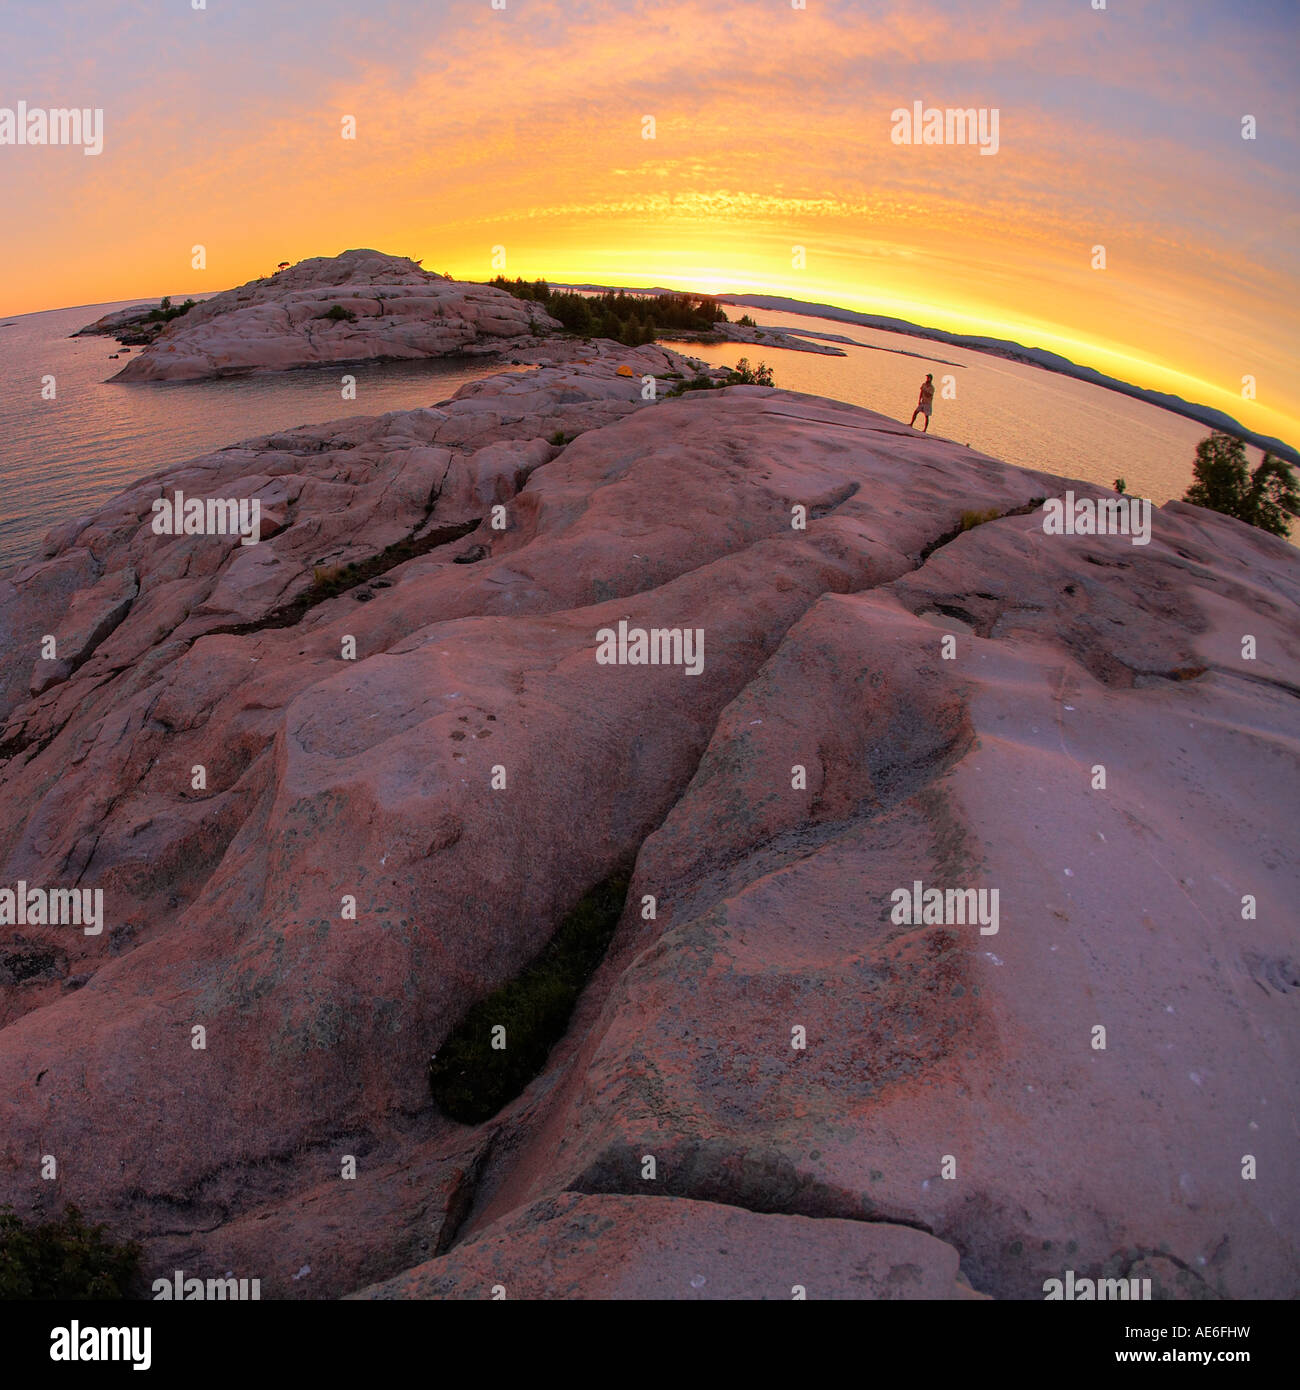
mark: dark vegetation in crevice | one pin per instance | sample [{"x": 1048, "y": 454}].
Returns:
[
  {"x": 1185, "y": 673},
  {"x": 969, "y": 520},
  {"x": 469, "y": 1078},
  {"x": 63, "y": 1258},
  {"x": 26, "y": 960},
  {"x": 330, "y": 581}
]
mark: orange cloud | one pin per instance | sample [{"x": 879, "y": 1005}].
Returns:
[{"x": 523, "y": 128}]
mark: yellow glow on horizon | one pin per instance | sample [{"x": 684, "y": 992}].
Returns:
[
  {"x": 577, "y": 254},
  {"x": 524, "y": 129},
  {"x": 686, "y": 271}
]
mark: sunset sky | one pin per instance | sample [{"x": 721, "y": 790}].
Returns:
[{"x": 523, "y": 127}]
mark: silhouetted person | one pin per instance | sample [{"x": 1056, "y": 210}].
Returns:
[{"x": 926, "y": 400}]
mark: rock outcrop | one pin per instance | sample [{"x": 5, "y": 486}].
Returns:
[
  {"x": 340, "y": 785},
  {"x": 575, "y": 1246},
  {"x": 359, "y": 306},
  {"x": 763, "y": 335},
  {"x": 138, "y": 324}
]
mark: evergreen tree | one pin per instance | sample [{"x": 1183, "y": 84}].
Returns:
[{"x": 1224, "y": 483}]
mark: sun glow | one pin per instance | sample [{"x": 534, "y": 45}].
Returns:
[{"x": 771, "y": 171}]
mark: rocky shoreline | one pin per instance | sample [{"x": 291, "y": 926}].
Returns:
[
  {"x": 356, "y": 307},
  {"x": 135, "y": 326},
  {"x": 758, "y": 335},
  {"x": 361, "y": 306},
  {"x": 342, "y": 785}
]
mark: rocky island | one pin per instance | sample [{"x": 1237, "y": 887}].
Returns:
[
  {"x": 357, "y": 307},
  {"x": 344, "y": 788}
]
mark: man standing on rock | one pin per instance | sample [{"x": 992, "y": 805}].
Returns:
[{"x": 923, "y": 405}]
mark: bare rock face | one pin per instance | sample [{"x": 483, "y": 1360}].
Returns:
[
  {"x": 340, "y": 785},
  {"x": 581, "y": 1247},
  {"x": 355, "y": 307}
]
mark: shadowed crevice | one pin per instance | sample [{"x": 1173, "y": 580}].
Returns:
[
  {"x": 764, "y": 1182},
  {"x": 504, "y": 1041},
  {"x": 331, "y": 585},
  {"x": 970, "y": 520}
]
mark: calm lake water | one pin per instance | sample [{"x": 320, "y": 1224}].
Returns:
[
  {"x": 1025, "y": 415},
  {"x": 62, "y": 458}
]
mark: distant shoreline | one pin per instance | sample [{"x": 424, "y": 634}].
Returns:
[{"x": 994, "y": 347}]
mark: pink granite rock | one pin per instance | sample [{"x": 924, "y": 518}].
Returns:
[
  {"x": 253, "y": 738},
  {"x": 397, "y": 311},
  {"x": 580, "y": 1247}
]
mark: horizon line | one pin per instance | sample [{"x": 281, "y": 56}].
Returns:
[{"x": 1105, "y": 382}]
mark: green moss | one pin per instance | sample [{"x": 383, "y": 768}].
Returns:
[
  {"x": 470, "y": 1079},
  {"x": 63, "y": 1258}
]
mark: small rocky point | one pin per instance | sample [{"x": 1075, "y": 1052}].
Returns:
[
  {"x": 950, "y": 1130},
  {"x": 398, "y": 311}
]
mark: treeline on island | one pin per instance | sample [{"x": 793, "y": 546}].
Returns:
[{"x": 630, "y": 319}]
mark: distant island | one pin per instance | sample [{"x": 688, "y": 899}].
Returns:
[
  {"x": 360, "y": 306},
  {"x": 998, "y": 347}
]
